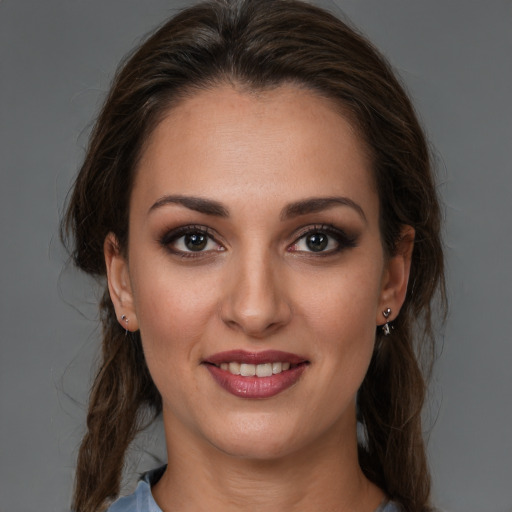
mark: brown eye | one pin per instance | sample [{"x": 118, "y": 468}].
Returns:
[
  {"x": 195, "y": 241},
  {"x": 323, "y": 240},
  {"x": 189, "y": 241},
  {"x": 317, "y": 242}
]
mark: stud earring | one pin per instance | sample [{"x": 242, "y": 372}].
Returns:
[
  {"x": 386, "y": 329},
  {"x": 124, "y": 318}
]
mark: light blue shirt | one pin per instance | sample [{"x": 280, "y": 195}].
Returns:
[{"x": 142, "y": 499}]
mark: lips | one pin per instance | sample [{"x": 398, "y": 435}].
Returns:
[{"x": 255, "y": 374}]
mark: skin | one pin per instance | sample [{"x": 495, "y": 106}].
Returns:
[{"x": 256, "y": 286}]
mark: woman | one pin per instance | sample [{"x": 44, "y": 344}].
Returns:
[{"x": 258, "y": 195}]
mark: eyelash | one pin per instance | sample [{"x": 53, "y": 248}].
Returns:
[
  {"x": 342, "y": 240},
  {"x": 174, "y": 235}
]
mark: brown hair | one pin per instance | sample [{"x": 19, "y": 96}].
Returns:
[{"x": 259, "y": 44}]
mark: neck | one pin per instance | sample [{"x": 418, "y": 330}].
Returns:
[{"x": 324, "y": 477}]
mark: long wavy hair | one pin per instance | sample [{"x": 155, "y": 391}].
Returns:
[{"x": 261, "y": 44}]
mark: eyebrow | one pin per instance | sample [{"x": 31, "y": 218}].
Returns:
[
  {"x": 318, "y": 204},
  {"x": 198, "y": 204},
  {"x": 296, "y": 209}
]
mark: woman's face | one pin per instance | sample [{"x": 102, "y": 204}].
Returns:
[{"x": 254, "y": 246}]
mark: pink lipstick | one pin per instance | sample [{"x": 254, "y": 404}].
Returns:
[{"x": 255, "y": 374}]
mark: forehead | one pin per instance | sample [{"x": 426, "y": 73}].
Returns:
[{"x": 286, "y": 142}]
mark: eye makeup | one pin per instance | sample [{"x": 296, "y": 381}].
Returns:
[
  {"x": 191, "y": 241},
  {"x": 322, "y": 240},
  {"x": 313, "y": 240}
]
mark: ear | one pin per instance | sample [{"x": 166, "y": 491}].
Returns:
[
  {"x": 119, "y": 284},
  {"x": 396, "y": 276}
]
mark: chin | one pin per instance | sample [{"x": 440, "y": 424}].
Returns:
[
  {"x": 256, "y": 449},
  {"x": 259, "y": 440}
]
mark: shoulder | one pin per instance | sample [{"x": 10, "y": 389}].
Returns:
[
  {"x": 142, "y": 499},
  {"x": 125, "y": 504},
  {"x": 390, "y": 506},
  {"x": 393, "y": 506}
]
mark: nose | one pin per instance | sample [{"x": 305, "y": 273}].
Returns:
[{"x": 254, "y": 300}]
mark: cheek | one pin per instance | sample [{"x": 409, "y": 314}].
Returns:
[
  {"x": 345, "y": 300},
  {"x": 173, "y": 310},
  {"x": 341, "y": 316}
]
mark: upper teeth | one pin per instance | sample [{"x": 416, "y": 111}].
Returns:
[{"x": 251, "y": 370}]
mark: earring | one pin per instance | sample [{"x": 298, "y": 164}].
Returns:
[
  {"x": 386, "y": 329},
  {"x": 124, "y": 318}
]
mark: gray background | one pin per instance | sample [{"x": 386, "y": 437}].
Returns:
[{"x": 57, "y": 58}]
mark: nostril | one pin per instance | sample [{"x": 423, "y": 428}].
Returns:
[{"x": 253, "y": 300}]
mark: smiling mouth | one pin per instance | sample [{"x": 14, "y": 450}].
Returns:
[
  {"x": 257, "y": 370},
  {"x": 255, "y": 374}
]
